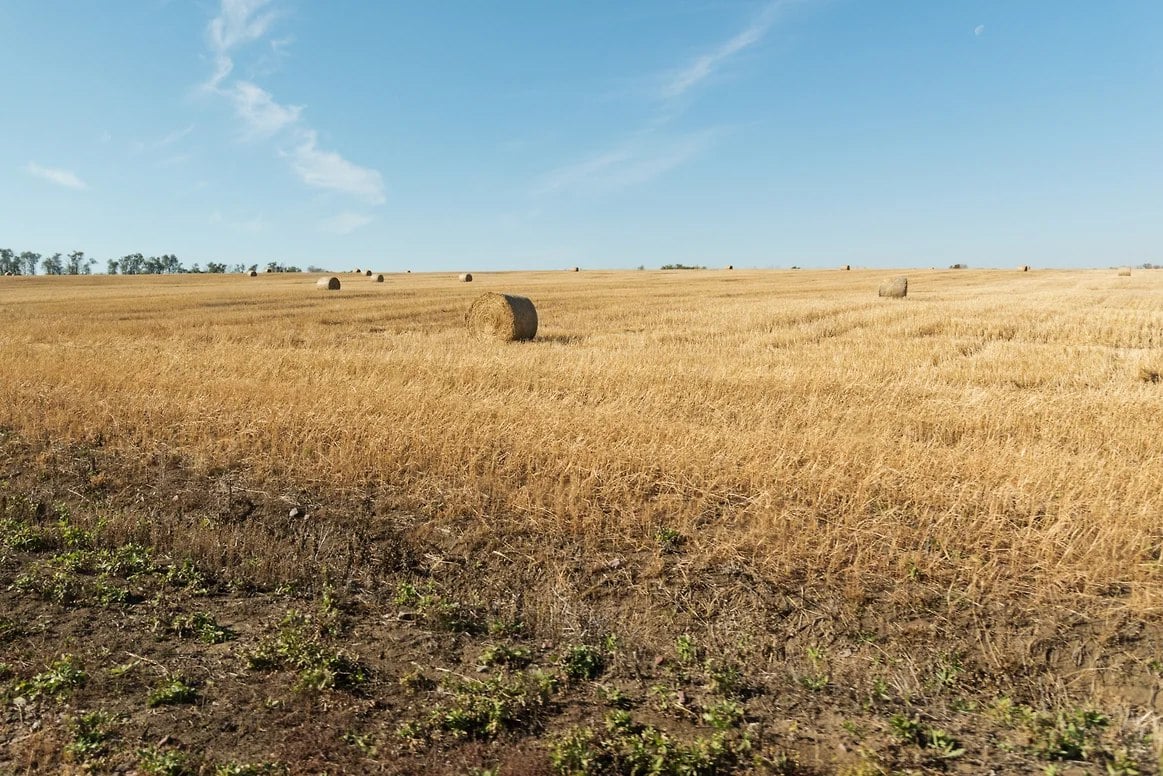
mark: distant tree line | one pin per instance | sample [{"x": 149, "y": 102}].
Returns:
[{"x": 75, "y": 263}]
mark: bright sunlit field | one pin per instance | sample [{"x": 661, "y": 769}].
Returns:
[{"x": 997, "y": 428}]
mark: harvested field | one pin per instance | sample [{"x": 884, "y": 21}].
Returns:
[{"x": 842, "y": 535}]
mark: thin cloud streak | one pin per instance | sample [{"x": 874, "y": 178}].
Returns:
[
  {"x": 705, "y": 65},
  {"x": 245, "y": 21},
  {"x": 627, "y": 165},
  {"x": 345, "y": 223},
  {"x": 65, "y": 178}
]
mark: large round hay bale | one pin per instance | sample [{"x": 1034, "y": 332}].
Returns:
[
  {"x": 846, "y": 267},
  {"x": 1024, "y": 268},
  {"x": 329, "y": 284},
  {"x": 729, "y": 266},
  {"x": 253, "y": 273},
  {"x": 378, "y": 279},
  {"x": 466, "y": 277},
  {"x": 1124, "y": 272},
  {"x": 576, "y": 269},
  {"x": 895, "y": 288},
  {"x": 502, "y": 316},
  {"x": 357, "y": 271},
  {"x": 368, "y": 273}
]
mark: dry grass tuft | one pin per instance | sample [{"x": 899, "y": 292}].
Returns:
[
  {"x": 895, "y": 288},
  {"x": 1124, "y": 272},
  {"x": 330, "y": 284},
  {"x": 502, "y": 316}
]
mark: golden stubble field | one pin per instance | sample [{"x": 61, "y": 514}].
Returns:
[{"x": 996, "y": 429}]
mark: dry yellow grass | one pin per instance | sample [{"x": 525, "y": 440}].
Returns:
[{"x": 992, "y": 428}]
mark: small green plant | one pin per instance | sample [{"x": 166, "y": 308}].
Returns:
[
  {"x": 501, "y": 655},
  {"x": 613, "y": 697},
  {"x": 91, "y": 736},
  {"x": 200, "y": 625},
  {"x": 669, "y": 540},
  {"x": 187, "y": 576},
  {"x": 581, "y": 661},
  {"x": 250, "y": 769},
  {"x": 163, "y": 762},
  {"x": 18, "y": 536},
  {"x": 173, "y": 691},
  {"x": 1074, "y": 735},
  {"x": 686, "y": 650},
  {"x": 629, "y": 748},
  {"x": 60, "y": 676},
  {"x": 724, "y": 714},
  {"x": 298, "y": 646},
  {"x": 725, "y": 679},
  {"x": 483, "y": 709}
]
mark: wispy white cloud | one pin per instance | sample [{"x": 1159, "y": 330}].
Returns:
[
  {"x": 261, "y": 115},
  {"x": 979, "y": 30},
  {"x": 653, "y": 151},
  {"x": 345, "y": 223},
  {"x": 253, "y": 225},
  {"x": 638, "y": 161},
  {"x": 240, "y": 22},
  {"x": 60, "y": 177},
  {"x": 328, "y": 170},
  {"x": 703, "y": 66}
]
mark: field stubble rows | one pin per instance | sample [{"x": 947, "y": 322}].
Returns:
[{"x": 992, "y": 429}]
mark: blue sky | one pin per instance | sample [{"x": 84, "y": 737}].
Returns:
[{"x": 605, "y": 133}]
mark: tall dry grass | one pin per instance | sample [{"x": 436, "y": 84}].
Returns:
[{"x": 991, "y": 428}]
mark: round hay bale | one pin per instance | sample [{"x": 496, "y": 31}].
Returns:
[
  {"x": 502, "y": 316},
  {"x": 357, "y": 270},
  {"x": 8, "y": 274},
  {"x": 253, "y": 273},
  {"x": 466, "y": 277},
  {"x": 378, "y": 279},
  {"x": 730, "y": 266},
  {"x": 895, "y": 288},
  {"x": 1024, "y": 268},
  {"x": 368, "y": 273},
  {"x": 1124, "y": 272},
  {"x": 328, "y": 284},
  {"x": 576, "y": 269},
  {"x": 845, "y": 267}
]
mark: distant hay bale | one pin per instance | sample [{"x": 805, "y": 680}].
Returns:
[
  {"x": 576, "y": 269},
  {"x": 8, "y": 274},
  {"x": 357, "y": 271},
  {"x": 845, "y": 267},
  {"x": 369, "y": 273},
  {"x": 466, "y": 277},
  {"x": 1024, "y": 268},
  {"x": 253, "y": 273},
  {"x": 729, "y": 266},
  {"x": 896, "y": 288},
  {"x": 378, "y": 279},
  {"x": 502, "y": 316},
  {"x": 1124, "y": 272},
  {"x": 329, "y": 284}
]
